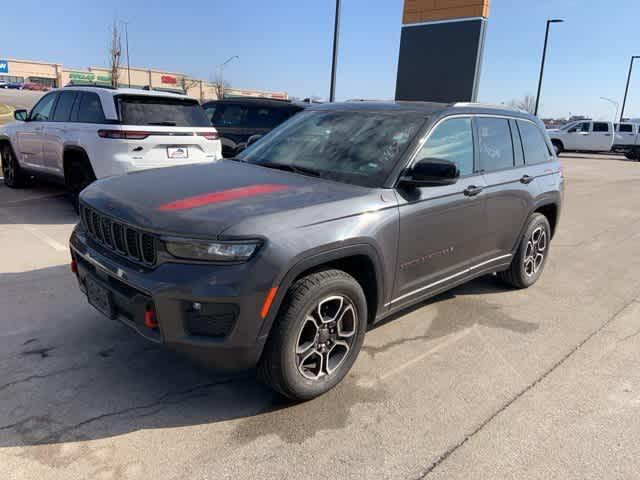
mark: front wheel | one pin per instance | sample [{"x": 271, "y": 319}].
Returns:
[
  {"x": 316, "y": 337},
  {"x": 557, "y": 147},
  {"x": 13, "y": 175},
  {"x": 529, "y": 261}
]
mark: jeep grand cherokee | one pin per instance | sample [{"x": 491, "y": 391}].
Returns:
[{"x": 346, "y": 213}]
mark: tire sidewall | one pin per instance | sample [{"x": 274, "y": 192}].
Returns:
[
  {"x": 7, "y": 156},
  {"x": 537, "y": 220},
  {"x": 297, "y": 384}
]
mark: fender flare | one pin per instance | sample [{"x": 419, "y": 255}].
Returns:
[{"x": 316, "y": 260}]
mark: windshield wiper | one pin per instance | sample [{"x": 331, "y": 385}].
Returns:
[
  {"x": 164, "y": 124},
  {"x": 291, "y": 168}
]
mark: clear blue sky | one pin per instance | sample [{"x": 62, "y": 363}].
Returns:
[{"x": 286, "y": 45}]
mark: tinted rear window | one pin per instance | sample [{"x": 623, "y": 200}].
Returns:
[
  {"x": 535, "y": 146},
  {"x": 600, "y": 127},
  {"x": 162, "y": 111},
  {"x": 626, "y": 128},
  {"x": 63, "y": 108}
]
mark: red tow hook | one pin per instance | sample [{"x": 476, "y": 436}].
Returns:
[
  {"x": 74, "y": 266},
  {"x": 150, "y": 318}
]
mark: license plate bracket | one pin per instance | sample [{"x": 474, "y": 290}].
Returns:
[
  {"x": 177, "y": 152},
  {"x": 100, "y": 298}
]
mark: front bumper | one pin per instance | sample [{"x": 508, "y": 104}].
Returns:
[{"x": 210, "y": 313}]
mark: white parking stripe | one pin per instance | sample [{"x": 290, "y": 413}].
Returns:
[
  {"x": 45, "y": 238},
  {"x": 28, "y": 199}
]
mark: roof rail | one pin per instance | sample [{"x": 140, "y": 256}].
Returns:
[
  {"x": 487, "y": 105},
  {"x": 108, "y": 87}
]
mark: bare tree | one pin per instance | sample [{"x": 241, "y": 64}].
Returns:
[
  {"x": 220, "y": 86},
  {"x": 526, "y": 103},
  {"x": 115, "y": 54},
  {"x": 188, "y": 83}
]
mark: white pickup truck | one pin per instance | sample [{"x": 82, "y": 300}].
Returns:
[
  {"x": 584, "y": 136},
  {"x": 627, "y": 140}
]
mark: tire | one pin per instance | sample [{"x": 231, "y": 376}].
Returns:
[
  {"x": 557, "y": 146},
  {"x": 13, "y": 175},
  {"x": 529, "y": 261},
  {"x": 78, "y": 175},
  {"x": 306, "y": 355}
]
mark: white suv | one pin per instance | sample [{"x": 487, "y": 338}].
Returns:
[{"x": 75, "y": 135}]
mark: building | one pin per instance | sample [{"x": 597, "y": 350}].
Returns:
[{"x": 53, "y": 75}]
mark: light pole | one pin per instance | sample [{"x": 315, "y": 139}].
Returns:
[
  {"x": 334, "y": 63},
  {"x": 544, "y": 57},
  {"x": 220, "y": 80},
  {"x": 126, "y": 41},
  {"x": 626, "y": 91},
  {"x": 614, "y": 103}
]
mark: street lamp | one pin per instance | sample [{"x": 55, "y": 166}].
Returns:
[
  {"x": 614, "y": 103},
  {"x": 544, "y": 56},
  {"x": 126, "y": 40},
  {"x": 624, "y": 102},
  {"x": 334, "y": 63},
  {"x": 224, "y": 64}
]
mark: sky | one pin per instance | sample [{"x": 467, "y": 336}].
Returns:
[{"x": 285, "y": 45}]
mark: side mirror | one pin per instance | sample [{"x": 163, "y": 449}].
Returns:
[
  {"x": 253, "y": 139},
  {"x": 21, "y": 115},
  {"x": 432, "y": 172}
]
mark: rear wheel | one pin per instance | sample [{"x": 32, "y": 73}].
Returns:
[
  {"x": 317, "y": 335},
  {"x": 528, "y": 263},
  {"x": 78, "y": 175},
  {"x": 13, "y": 175}
]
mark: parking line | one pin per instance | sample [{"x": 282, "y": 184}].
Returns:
[
  {"x": 445, "y": 343},
  {"x": 29, "y": 199},
  {"x": 45, "y": 238}
]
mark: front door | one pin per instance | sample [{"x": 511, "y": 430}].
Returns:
[
  {"x": 578, "y": 137},
  {"x": 30, "y": 135},
  {"x": 601, "y": 138},
  {"x": 441, "y": 228}
]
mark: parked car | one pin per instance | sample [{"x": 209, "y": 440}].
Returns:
[
  {"x": 15, "y": 85},
  {"x": 627, "y": 140},
  {"x": 77, "y": 134},
  {"x": 342, "y": 216},
  {"x": 38, "y": 87},
  {"x": 238, "y": 119},
  {"x": 3, "y": 84},
  {"x": 584, "y": 136}
]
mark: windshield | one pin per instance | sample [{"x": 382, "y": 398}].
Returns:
[
  {"x": 161, "y": 111},
  {"x": 353, "y": 147}
]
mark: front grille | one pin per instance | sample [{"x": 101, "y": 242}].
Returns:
[{"x": 126, "y": 241}]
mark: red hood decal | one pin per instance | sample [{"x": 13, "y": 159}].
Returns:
[{"x": 222, "y": 196}]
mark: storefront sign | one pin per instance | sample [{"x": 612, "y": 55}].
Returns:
[
  {"x": 168, "y": 79},
  {"x": 89, "y": 77},
  {"x": 4, "y": 66}
]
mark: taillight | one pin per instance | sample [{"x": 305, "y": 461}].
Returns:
[
  {"x": 208, "y": 135},
  {"x": 123, "y": 134}
]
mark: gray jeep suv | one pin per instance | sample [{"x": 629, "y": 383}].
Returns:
[{"x": 282, "y": 257}]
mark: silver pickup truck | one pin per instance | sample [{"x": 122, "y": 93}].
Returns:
[{"x": 627, "y": 140}]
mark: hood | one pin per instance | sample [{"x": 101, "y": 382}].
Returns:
[{"x": 206, "y": 200}]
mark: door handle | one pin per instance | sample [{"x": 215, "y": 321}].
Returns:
[
  {"x": 526, "y": 179},
  {"x": 607, "y": 134},
  {"x": 472, "y": 190}
]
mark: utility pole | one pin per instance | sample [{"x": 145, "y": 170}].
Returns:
[
  {"x": 126, "y": 41},
  {"x": 334, "y": 63},
  {"x": 544, "y": 57},
  {"x": 626, "y": 91}
]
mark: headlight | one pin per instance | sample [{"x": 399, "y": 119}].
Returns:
[{"x": 212, "y": 251}]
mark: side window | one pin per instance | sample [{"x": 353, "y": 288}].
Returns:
[
  {"x": 42, "y": 111},
  {"x": 64, "y": 106},
  {"x": 517, "y": 143},
  {"x": 451, "y": 140},
  {"x": 265, "y": 117},
  {"x": 601, "y": 127},
  {"x": 230, "y": 115},
  {"x": 625, "y": 128},
  {"x": 494, "y": 143},
  {"x": 581, "y": 127},
  {"x": 210, "y": 111},
  {"x": 90, "y": 109},
  {"x": 535, "y": 146}
]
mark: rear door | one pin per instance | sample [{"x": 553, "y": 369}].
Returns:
[
  {"x": 510, "y": 183},
  {"x": 161, "y": 131},
  {"x": 56, "y": 131},
  {"x": 601, "y": 138},
  {"x": 30, "y": 136},
  {"x": 625, "y": 134}
]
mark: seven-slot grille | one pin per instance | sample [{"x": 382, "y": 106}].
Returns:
[{"x": 126, "y": 241}]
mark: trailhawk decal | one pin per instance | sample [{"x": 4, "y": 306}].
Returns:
[
  {"x": 426, "y": 258},
  {"x": 222, "y": 196}
]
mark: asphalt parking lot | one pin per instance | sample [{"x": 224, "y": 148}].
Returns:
[{"x": 482, "y": 382}]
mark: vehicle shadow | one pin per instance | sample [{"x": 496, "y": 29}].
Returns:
[
  {"x": 78, "y": 376},
  {"x": 39, "y": 204}
]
